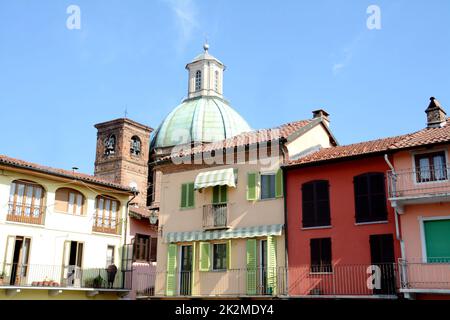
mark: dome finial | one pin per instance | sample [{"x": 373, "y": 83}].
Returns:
[{"x": 206, "y": 45}]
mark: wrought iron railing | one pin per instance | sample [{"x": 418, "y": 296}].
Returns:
[
  {"x": 24, "y": 213},
  {"x": 32, "y": 275},
  {"x": 105, "y": 224},
  {"x": 215, "y": 216},
  {"x": 431, "y": 275},
  {"x": 416, "y": 182}
]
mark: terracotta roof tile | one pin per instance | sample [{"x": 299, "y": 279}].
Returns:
[
  {"x": 248, "y": 138},
  {"x": 423, "y": 137},
  {"x": 60, "y": 172}
]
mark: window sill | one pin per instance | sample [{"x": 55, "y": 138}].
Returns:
[
  {"x": 187, "y": 208},
  {"x": 371, "y": 222},
  {"x": 315, "y": 228},
  {"x": 320, "y": 273},
  {"x": 219, "y": 270},
  {"x": 267, "y": 199},
  {"x": 71, "y": 214}
]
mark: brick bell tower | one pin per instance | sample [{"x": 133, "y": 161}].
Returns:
[{"x": 122, "y": 154}]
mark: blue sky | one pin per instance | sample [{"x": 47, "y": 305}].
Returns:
[{"x": 284, "y": 59}]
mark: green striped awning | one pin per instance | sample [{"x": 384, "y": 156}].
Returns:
[
  {"x": 247, "y": 232},
  {"x": 223, "y": 177}
]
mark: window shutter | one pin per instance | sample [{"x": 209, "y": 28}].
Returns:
[
  {"x": 223, "y": 194},
  {"x": 204, "y": 256},
  {"x": 272, "y": 264},
  {"x": 251, "y": 185},
  {"x": 216, "y": 191},
  {"x": 153, "y": 249},
  {"x": 251, "y": 267},
  {"x": 191, "y": 195},
  {"x": 183, "y": 195},
  {"x": 279, "y": 184},
  {"x": 194, "y": 265},
  {"x": 315, "y": 252},
  {"x": 229, "y": 254},
  {"x": 308, "y": 204},
  {"x": 171, "y": 269}
]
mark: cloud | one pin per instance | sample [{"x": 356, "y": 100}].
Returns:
[
  {"x": 185, "y": 12},
  {"x": 346, "y": 55}
]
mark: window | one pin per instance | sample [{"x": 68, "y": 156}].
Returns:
[
  {"x": 110, "y": 255},
  {"x": 431, "y": 167},
  {"x": 216, "y": 81},
  {"x": 370, "y": 197},
  {"x": 135, "y": 148},
  {"x": 321, "y": 255},
  {"x": 187, "y": 195},
  {"x": 315, "y": 204},
  {"x": 26, "y": 200},
  {"x": 219, "y": 256},
  {"x": 106, "y": 215},
  {"x": 268, "y": 186},
  {"x": 437, "y": 240},
  {"x": 69, "y": 201},
  {"x": 198, "y": 80},
  {"x": 219, "y": 194},
  {"x": 110, "y": 145},
  {"x": 144, "y": 248}
]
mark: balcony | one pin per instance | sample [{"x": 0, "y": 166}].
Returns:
[
  {"x": 424, "y": 185},
  {"x": 56, "y": 278},
  {"x": 25, "y": 213},
  {"x": 215, "y": 216},
  {"x": 106, "y": 225},
  {"x": 422, "y": 277}
]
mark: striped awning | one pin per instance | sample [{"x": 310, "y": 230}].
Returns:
[
  {"x": 247, "y": 232},
  {"x": 223, "y": 177}
]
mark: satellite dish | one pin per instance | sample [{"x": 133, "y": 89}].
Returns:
[{"x": 133, "y": 186}]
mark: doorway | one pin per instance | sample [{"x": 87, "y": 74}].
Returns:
[
  {"x": 18, "y": 251},
  {"x": 72, "y": 264},
  {"x": 186, "y": 271},
  {"x": 263, "y": 267},
  {"x": 382, "y": 255}
]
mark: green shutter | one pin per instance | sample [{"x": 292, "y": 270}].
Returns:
[
  {"x": 194, "y": 259},
  {"x": 251, "y": 185},
  {"x": 171, "y": 269},
  {"x": 216, "y": 191},
  {"x": 437, "y": 240},
  {"x": 204, "y": 256},
  {"x": 191, "y": 195},
  {"x": 272, "y": 264},
  {"x": 229, "y": 254},
  {"x": 223, "y": 194},
  {"x": 251, "y": 267},
  {"x": 183, "y": 195},
  {"x": 279, "y": 184}
]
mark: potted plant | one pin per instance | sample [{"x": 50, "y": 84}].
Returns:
[{"x": 98, "y": 281}]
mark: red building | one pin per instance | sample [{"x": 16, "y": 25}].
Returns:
[{"x": 340, "y": 227}]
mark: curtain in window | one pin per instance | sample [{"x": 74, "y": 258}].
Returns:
[
  {"x": 424, "y": 166},
  {"x": 439, "y": 168}
]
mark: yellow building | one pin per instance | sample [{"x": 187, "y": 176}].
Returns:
[{"x": 60, "y": 233}]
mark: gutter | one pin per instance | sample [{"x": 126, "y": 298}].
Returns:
[
  {"x": 283, "y": 170},
  {"x": 397, "y": 226}
]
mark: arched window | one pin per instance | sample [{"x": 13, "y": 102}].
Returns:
[
  {"x": 198, "y": 80},
  {"x": 26, "y": 202},
  {"x": 370, "y": 197},
  {"x": 110, "y": 145},
  {"x": 216, "y": 81},
  {"x": 106, "y": 218},
  {"x": 69, "y": 201},
  {"x": 135, "y": 148}
]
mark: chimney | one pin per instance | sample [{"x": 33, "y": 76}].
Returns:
[
  {"x": 436, "y": 116},
  {"x": 320, "y": 113}
]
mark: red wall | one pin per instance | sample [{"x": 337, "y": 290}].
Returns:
[{"x": 350, "y": 242}]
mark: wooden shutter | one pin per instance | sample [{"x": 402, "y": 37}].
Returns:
[
  {"x": 279, "y": 184},
  {"x": 153, "y": 248},
  {"x": 308, "y": 209},
  {"x": 251, "y": 186},
  {"x": 377, "y": 197},
  {"x": 272, "y": 264},
  {"x": 251, "y": 267},
  {"x": 190, "y": 202},
  {"x": 437, "y": 240},
  {"x": 183, "y": 196},
  {"x": 9, "y": 254},
  {"x": 315, "y": 252},
  {"x": 171, "y": 269},
  {"x": 204, "y": 256},
  {"x": 361, "y": 192},
  {"x": 322, "y": 200}
]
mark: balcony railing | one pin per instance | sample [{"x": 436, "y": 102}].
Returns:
[
  {"x": 300, "y": 281},
  {"x": 106, "y": 225},
  {"x": 425, "y": 277},
  {"x": 419, "y": 182},
  {"x": 215, "y": 216},
  {"x": 53, "y": 276},
  {"x": 24, "y": 213}
]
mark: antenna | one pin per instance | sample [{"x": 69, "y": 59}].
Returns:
[{"x": 126, "y": 111}]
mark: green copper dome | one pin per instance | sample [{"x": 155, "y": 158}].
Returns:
[{"x": 201, "y": 119}]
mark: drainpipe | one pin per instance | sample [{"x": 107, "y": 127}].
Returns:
[
  {"x": 397, "y": 226},
  {"x": 135, "y": 193},
  {"x": 284, "y": 171}
]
